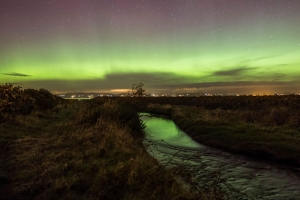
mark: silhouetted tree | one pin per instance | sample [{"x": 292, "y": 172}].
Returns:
[{"x": 137, "y": 90}]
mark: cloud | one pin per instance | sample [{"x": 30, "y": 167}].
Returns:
[
  {"x": 15, "y": 84},
  {"x": 160, "y": 83},
  {"x": 218, "y": 87},
  {"x": 233, "y": 72},
  {"x": 152, "y": 81},
  {"x": 15, "y": 74},
  {"x": 146, "y": 78},
  {"x": 240, "y": 87}
]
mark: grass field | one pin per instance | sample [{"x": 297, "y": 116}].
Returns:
[
  {"x": 58, "y": 149},
  {"x": 83, "y": 150}
]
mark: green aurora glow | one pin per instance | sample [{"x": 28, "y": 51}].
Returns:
[{"x": 255, "y": 49}]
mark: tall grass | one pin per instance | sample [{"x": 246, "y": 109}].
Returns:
[
  {"x": 97, "y": 153},
  {"x": 272, "y": 133}
]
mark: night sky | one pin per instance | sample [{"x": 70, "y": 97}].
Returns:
[{"x": 172, "y": 46}]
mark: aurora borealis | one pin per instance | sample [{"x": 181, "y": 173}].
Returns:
[{"x": 209, "y": 46}]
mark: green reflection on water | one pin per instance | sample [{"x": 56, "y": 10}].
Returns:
[{"x": 163, "y": 129}]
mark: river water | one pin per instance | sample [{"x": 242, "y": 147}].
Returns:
[{"x": 242, "y": 177}]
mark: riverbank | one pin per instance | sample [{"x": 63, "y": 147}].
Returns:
[
  {"x": 231, "y": 130},
  {"x": 244, "y": 177},
  {"x": 82, "y": 150}
]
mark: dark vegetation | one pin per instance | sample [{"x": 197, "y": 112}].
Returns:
[
  {"x": 15, "y": 101},
  {"x": 83, "y": 150},
  {"x": 57, "y": 149},
  {"x": 263, "y": 126},
  {"x": 137, "y": 90}
]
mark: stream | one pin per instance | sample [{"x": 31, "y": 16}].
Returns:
[{"x": 241, "y": 176}]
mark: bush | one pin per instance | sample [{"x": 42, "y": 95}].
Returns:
[
  {"x": 13, "y": 101},
  {"x": 16, "y": 101},
  {"x": 44, "y": 99}
]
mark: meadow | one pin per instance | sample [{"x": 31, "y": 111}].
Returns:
[
  {"x": 80, "y": 150},
  {"x": 53, "y": 148}
]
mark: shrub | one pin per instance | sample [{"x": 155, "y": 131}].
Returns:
[{"x": 16, "y": 101}]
